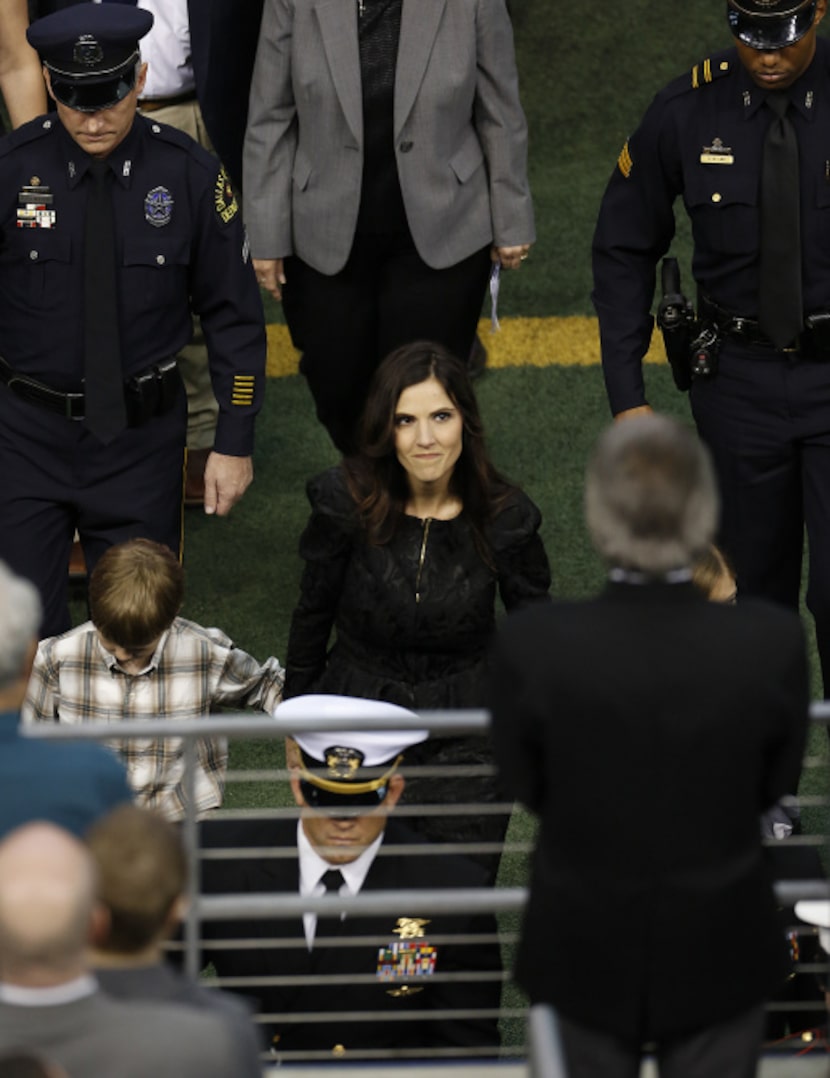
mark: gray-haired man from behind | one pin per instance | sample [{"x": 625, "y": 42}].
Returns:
[
  {"x": 673, "y": 722},
  {"x": 69, "y": 784}
]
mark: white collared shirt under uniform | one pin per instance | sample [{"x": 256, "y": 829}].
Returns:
[{"x": 313, "y": 867}]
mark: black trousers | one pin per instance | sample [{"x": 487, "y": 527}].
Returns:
[
  {"x": 766, "y": 418},
  {"x": 727, "y": 1050},
  {"x": 385, "y": 296},
  {"x": 58, "y": 477}
]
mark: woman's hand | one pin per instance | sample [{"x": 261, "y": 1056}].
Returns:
[
  {"x": 270, "y": 275},
  {"x": 509, "y": 257}
]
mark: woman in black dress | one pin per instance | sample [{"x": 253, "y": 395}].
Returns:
[{"x": 407, "y": 545}]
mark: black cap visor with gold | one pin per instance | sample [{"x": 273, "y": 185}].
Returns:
[
  {"x": 94, "y": 93},
  {"x": 770, "y": 25},
  {"x": 342, "y": 783}
]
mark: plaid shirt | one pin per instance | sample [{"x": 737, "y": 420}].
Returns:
[{"x": 192, "y": 672}]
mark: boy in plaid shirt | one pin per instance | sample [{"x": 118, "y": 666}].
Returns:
[{"x": 137, "y": 659}]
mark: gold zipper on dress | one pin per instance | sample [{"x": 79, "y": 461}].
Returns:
[{"x": 421, "y": 557}]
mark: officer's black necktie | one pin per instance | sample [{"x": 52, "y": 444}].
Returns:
[
  {"x": 103, "y": 380},
  {"x": 780, "y": 307},
  {"x": 327, "y": 924}
]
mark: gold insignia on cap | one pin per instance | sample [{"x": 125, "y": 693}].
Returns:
[
  {"x": 224, "y": 198},
  {"x": 243, "y": 389},
  {"x": 625, "y": 162},
  {"x": 34, "y": 181},
  {"x": 343, "y": 762},
  {"x": 410, "y": 928}
]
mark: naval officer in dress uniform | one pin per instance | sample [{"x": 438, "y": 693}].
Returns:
[
  {"x": 404, "y": 964},
  {"x": 112, "y": 227},
  {"x": 744, "y": 140}
]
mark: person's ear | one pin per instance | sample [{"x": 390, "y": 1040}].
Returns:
[
  {"x": 99, "y": 926},
  {"x": 141, "y": 79},
  {"x": 297, "y": 792},
  {"x": 178, "y": 910},
  {"x": 394, "y": 790},
  {"x": 48, "y": 79},
  {"x": 293, "y": 759}
]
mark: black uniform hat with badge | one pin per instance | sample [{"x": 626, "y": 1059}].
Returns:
[
  {"x": 91, "y": 52},
  {"x": 348, "y": 768},
  {"x": 770, "y": 24}
]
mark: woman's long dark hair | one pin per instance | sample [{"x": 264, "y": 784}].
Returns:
[{"x": 377, "y": 481}]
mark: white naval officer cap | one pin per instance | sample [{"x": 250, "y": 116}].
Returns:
[
  {"x": 353, "y": 764},
  {"x": 816, "y": 912}
]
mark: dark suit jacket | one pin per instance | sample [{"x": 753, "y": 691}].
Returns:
[
  {"x": 160, "y": 983},
  {"x": 68, "y": 784},
  {"x": 648, "y": 729},
  {"x": 98, "y": 1037},
  {"x": 290, "y": 956}
]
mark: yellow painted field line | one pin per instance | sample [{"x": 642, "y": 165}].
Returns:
[{"x": 521, "y": 342}]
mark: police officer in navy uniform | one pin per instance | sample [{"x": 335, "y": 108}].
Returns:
[
  {"x": 113, "y": 472},
  {"x": 763, "y": 406}
]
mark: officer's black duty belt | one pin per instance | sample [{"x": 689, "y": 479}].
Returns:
[
  {"x": 809, "y": 343},
  {"x": 151, "y": 393}
]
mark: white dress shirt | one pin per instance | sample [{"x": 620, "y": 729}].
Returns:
[
  {"x": 167, "y": 50},
  {"x": 313, "y": 867},
  {"x": 78, "y": 988}
]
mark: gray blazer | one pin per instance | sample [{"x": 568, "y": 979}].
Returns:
[
  {"x": 460, "y": 133},
  {"x": 99, "y": 1037},
  {"x": 160, "y": 983}
]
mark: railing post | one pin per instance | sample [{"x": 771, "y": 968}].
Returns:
[
  {"x": 192, "y": 931},
  {"x": 544, "y": 1050}
]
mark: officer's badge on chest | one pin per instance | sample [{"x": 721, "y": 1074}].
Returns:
[
  {"x": 409, "y": 957},
  {"x": 158, "y": 207},
  {"x": 34, "y": 205}
]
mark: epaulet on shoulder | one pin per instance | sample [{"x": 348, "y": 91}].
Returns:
[
  {"x": 702, "y": 74},
  {"x": 168, "y": 134},
  {"x": 34, "y": 129},
  {"x": 175, "y": 137}
]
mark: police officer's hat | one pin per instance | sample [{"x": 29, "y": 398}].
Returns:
[
  {"x": 347, "y": 768},
  {"x": 770, "y": 24},
  {"x": 91, "y": 52}
]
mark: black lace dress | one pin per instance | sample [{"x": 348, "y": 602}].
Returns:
[{"x": 413, "y": 621}]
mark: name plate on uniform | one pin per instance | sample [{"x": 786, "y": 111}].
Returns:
[{"x": 717, "y": 154}]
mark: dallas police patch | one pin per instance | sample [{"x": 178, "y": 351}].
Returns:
[
  {"x": 158, "y": 207},
  {"x": 224, "y": 198}
]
